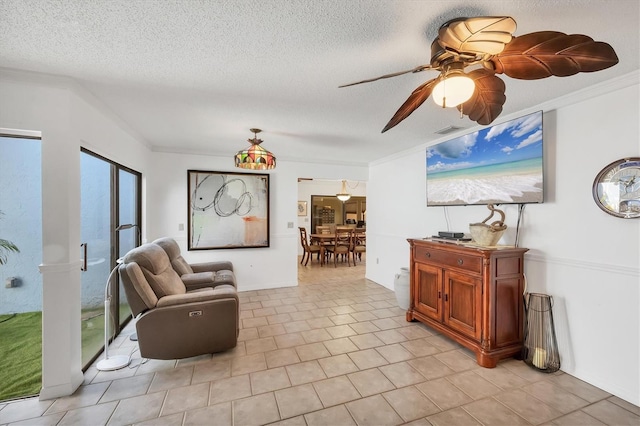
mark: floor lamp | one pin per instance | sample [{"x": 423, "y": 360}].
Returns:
[
  {"x": 134, "y": 336},
  {"x": 117, "y": 361}
]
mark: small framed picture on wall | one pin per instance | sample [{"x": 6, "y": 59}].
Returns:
[{"x": 302, "y": 208}]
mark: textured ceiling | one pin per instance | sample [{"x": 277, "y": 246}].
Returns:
[{"x": 195, "y": 76}]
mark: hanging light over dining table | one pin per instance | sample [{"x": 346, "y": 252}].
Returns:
[{"x": 255, "y": 157}]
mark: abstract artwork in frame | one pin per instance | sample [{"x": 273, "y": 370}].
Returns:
[{"x": 227, "y": 210}]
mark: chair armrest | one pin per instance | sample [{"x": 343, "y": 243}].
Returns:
[
  {"x": 211, "y": 266},
  {"x": 200, "y": 295},
  {"x": 198, "y": 280}
]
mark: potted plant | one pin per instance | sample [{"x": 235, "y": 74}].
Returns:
[{"x": 6, "y": 247}]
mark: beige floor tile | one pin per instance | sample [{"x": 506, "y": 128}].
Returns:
[
  {"x": 296, "y": 326},
  {"x": 23, "y": 409},
  {"x": 624, "y": 404},
  {"x": 457, "y": 360},
  {"x": 224, "y": 390},
  {"x": 577, "y": 418},
  {"x": 501, "y": 377},
  {"x": 413, "y": 332},
  {"x": 84, "y": 396},
  {"x": 442, "y": 343},
  {"x": 341, "y": 310},
  {"x": 340, "y": 346},
  {"x": 394, "y": 353},
  {"x": 94, "y": 415},
  {"x": 338, "y": 415},
  {"x": 271, "y": 330},
  {"x": 281, "y": 357},
  {"x": 316, "y": 335},
  {"x": 212, "y": 370},
  {"x": 260, "y": 345},
  {"x": 269, "y": 380},
  {"x": 453, "y": 417},
  {"x": 343, "y": 319},
  {"x": 390, "y": 336},
  {"x": 528, "y": 407},
  {"x": 340, "y": 331},
  {"x": 255, "y": 410},
  {"x": 286, "y": 309},
  {"x": 248, "y": 334},
  {"x": 194, "y": 360},
  {"x": 50, "y": 420},
  {"x": 612, "y": 414},
  {"x": 367, "y": 358},
  {"x": 337, "y": 365},
  {"x": 254, "y": 322},
  {"x": 366, "y": 341},
  {"x": 137, "y": 409},
  {"x": 186, "y": 398},
  {"x": 385, "y": 323},
  {"x": 373, "y": 411},
  {"x": 364, "y": 327},
  {"x": 305, "y": 372},
  {"x": 279, "y": 318},
  {"x": 582, "y": 389},
  {"x": 444, "y": 394},
  {"x": 173, "y": 378},
  {"x": 312, "y": 351},
  {"x": 297, "y": 400},
  {"x": 301, "y": 315},
  {"x": 370, "y": 382},
  {"x": 473, "y": 385},
  {"x": 420, "y": 347},
  {"x": 410, "y": 403},
  {"x": 263, "y": 312},
  {"x": 289, "y": 340},
  {"x": 430, "y": 367},
  {"x": 364, "y": 316},
  {"x": 232, "y": 353},
  {"x": 490, "y": 412},
  {"x": 555, "y": 396},
  {"x": 248, "y": 364},
  {"x": 219, "y": 413},
  {"x": 293, "y": 421},
  {"x": 402, "y": 374},
  {"x": 523, "y": 370},
  {"x": 335, "y": 391},
  {"x": 126, "y": 388}
]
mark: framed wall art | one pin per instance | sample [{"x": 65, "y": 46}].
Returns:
[
  {"x": 227, "y": 210},
  {"x": 302, "y": 208}
]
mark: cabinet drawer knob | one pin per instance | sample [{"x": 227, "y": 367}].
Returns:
[
  {"x": 460, "y": 261},
  {"x": 427, "y": 254}
]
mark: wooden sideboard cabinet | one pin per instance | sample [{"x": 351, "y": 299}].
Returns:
[{"x": 471, "y": 294}]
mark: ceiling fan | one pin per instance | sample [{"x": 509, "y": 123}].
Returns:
[{"x": 469, "y": 52}]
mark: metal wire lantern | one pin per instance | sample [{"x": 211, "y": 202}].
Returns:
[{"x": 540, "y": 346}]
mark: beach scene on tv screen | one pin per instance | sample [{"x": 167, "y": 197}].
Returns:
[{"x": 498, "y": 164}]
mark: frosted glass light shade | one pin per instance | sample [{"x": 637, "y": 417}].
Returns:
[{"x": 452, "y": 91}]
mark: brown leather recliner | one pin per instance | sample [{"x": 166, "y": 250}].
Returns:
[
  {"x": 197, "y": 275},
  {"x": 172, "y": 322}
]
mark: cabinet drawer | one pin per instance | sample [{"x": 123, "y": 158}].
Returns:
[{"x": 457, "y": 260}]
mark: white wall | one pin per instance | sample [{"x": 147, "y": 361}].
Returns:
[
  {"x": 587, "y": 260},
  {"x": 255, "y": 268},
  {"x": 68, "y": 117}
]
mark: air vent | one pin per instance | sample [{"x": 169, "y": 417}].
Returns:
[{"x": 448, "y": 129}]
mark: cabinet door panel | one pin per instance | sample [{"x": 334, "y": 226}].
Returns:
[
  {"x": 428, "y": 296},
  {"x": 463, "y": 303}
]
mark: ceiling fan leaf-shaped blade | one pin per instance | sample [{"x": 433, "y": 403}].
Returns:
[
  {"x": 546, "y": 53},
  {"x": 416, "y": 99},
  {"x": 480, "y": 35},
  {"x": 485, "y": 105}
]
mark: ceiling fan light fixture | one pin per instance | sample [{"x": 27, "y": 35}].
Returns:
[
  {"x": 255, "y": 157},
  {"x": 452, "y": 90}
]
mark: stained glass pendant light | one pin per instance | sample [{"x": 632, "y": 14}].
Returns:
[{"x": 255, "y": 157}]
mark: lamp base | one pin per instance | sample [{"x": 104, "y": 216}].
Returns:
[{"x": 113, "y": 363}]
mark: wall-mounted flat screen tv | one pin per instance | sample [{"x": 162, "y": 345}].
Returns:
[{"x": 501, "y": 164}]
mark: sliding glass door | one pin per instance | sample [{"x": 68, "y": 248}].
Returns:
[{"x": 111, "y": 220}]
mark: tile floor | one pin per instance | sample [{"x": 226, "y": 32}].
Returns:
[{"x": 335, "y": 350}]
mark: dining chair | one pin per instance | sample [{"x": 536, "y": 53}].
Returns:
[
  {"x": 342, "y": 243},
  {"x": 309, "y": 249},
  {"x": 359, "y": 245}
]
